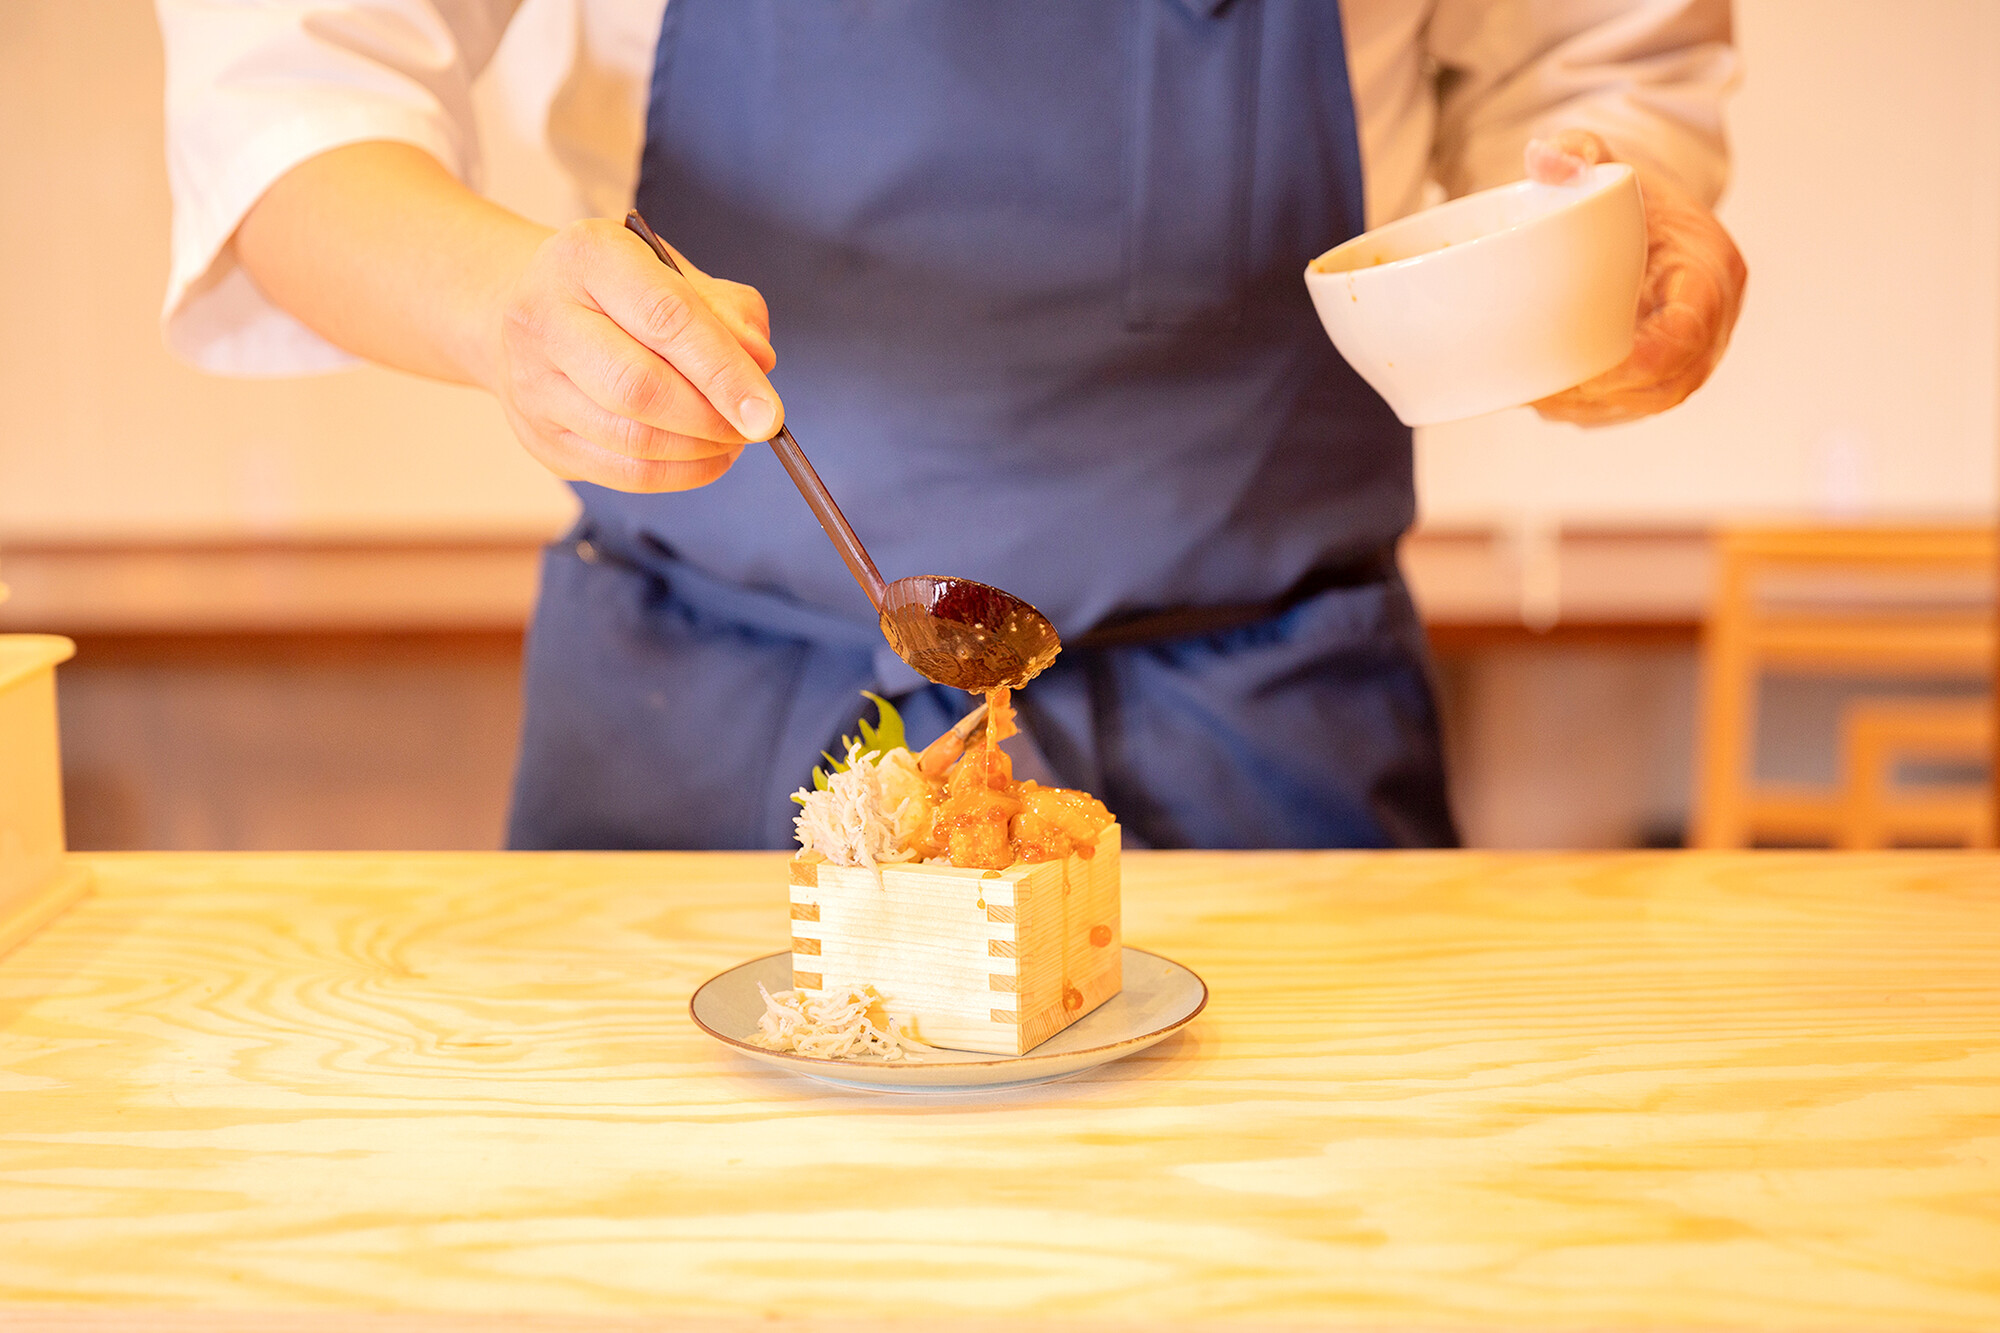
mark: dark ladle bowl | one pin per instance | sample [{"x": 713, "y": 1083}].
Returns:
[
  {"x": 965, "y": 634},
  {"x": 957, "y": 632}
]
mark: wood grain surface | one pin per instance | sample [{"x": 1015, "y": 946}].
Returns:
[{"x": 1431, "y": 1091}]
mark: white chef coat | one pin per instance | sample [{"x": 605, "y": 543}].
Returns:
[{"x": 1444, "y": 90}]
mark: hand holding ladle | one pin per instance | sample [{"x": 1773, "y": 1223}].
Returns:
[{"x": 954, "y": 631}]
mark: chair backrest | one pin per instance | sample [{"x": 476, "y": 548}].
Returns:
[
  {"x": 1903, "y": 603},
  {"x": 1879, "y": 807}
]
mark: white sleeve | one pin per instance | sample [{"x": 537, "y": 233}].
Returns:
[
  {"x": 1649, "y": 76},
  {"x": 254, "y": 89}
]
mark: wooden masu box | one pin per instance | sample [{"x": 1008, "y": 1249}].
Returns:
[{"x": 974, "y": 960}]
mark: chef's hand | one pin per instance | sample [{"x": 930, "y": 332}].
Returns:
[
  {"x": 1688, "y": 302},
  {"x": 611, "y": 367},
  {"x": 616, "y": 370}
]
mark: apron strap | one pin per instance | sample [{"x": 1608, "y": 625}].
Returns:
[
  {"x": 1187, "y": 622},
  {"x": 775, "y": 613}
]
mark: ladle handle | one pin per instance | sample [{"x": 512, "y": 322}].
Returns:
[
  {"x": 818, "y": 498},
  {"x": 820, "y": 501}
]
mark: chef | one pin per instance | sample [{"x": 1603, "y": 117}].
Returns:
[{"x": 1034, "y": 270}]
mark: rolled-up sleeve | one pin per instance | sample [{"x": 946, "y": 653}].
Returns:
[
  {"x": 254, "y": 89},
  {"x": 1649, "y": 76}
]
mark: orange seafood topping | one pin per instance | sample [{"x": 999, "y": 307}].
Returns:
[{"x": 990, "y": 821}]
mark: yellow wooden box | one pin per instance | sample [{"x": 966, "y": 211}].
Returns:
[
  {"x": 37, "y": 882},
  {"x": 975, "y": 960}
]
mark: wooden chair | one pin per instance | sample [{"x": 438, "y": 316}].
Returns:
[
  {"x": 1878, "y": 738},
  {"x": 1877, "y": 603}
]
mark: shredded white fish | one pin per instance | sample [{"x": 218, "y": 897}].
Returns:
[
  {"x": 908, "y": 797},
  {"x": 851, "y": 823},
  {"x": 833, "y": 1026}
]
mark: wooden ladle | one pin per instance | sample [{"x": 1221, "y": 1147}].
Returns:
[{"x": 954, "y": 631}]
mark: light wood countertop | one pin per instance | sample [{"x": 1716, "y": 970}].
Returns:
[{"x": 1430, "y": 1091}]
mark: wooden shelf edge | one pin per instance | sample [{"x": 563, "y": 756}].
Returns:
[
  {"x": 1463, "y": 578},
  {"x": 22, "y": 918}
]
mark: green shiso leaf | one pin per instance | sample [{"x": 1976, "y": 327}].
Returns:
[
  {"x": 879, "y": 737},
  {"x": 887, "y": 734}
]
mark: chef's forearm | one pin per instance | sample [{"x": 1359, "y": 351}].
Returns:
[
  {"x": 380, "y": 250},
  {"x": 1648, "y": 78}
]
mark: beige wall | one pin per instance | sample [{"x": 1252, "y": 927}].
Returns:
[
  {"x": 1867, "y": 198},
  {"x": 102, "y": 434},
  {"x": 1862, "y": 378},
  {"x": 1863, "y": 381}
]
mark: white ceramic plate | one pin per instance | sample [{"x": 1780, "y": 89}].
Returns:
[{"x": 1160, "y": 998}]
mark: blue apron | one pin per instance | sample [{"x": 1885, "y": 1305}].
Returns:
[{"x": 1034, "y": 274}]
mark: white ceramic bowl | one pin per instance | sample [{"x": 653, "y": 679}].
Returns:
[{"x": 1492, "y": 300}]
